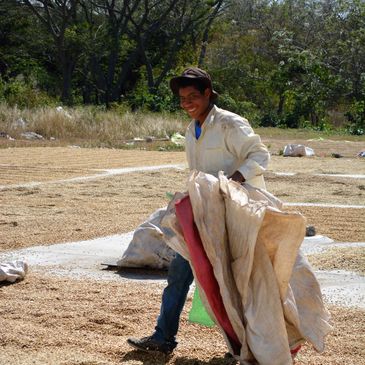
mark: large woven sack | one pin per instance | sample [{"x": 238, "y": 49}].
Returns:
[{"x": 271, "y": 296}]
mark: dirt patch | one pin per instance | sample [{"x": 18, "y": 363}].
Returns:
[
  {"x": 321, "y": 147},
  {"x": 351, "y": 258},
  {"x": 21, "y": 165},
  {"x": 343, "y": 225},
  {"x": 317, "y": 189},
  {"x": 78, "y": 211},
  {"x": 71, "y": 322},
  {"x": 343, "y": 345},
  {"x": 65, "y": 212},
  {"x": 317, "y": 165}
]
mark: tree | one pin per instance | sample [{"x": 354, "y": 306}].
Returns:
[
  {"x": 129, "y": 35},
  {"x": 291, "y": 58},
  {"x": 60, "y": 19}
]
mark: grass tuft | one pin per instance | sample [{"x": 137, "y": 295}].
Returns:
[{"x": 89, "y": 123}]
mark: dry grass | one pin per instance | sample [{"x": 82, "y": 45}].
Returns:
[
  {"x": 352, "y": 258},
  {"x": 96, "y": 127},
  {"x": 89, "y": 123}
]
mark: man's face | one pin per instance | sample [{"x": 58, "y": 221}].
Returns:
[{"x": 195, "y": 103}]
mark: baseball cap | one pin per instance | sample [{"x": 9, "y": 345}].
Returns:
[{"x": 193, "y": 73}]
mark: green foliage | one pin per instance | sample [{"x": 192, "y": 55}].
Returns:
[
  {"x": 157, "y": 101},
  {"x": 278, "y": 63},
  {"x": 356, "y": 117},
  {"x": 245, "y": 108},
  {"x": 17, "y": 92},
  {"x": 291, "y": 59},
  {"x": 120, "y": 108},
  {"x": 269, "y": 120}
]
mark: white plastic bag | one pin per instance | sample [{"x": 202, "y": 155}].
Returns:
[
  {"x": 297, "y": 150},
  {"x": 12, "y": 271}
]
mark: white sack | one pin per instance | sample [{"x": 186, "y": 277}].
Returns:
[
  {"x": 297, "y": 150},
  {"x": 12, "y": 271},
  {"x": 148, "y": 247},
  {"x": 270, "y": 293}
]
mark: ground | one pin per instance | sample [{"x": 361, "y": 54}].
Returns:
[{"x": 50, "y": 320}]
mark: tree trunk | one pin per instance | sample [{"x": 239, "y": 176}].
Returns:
[
  {"x": 281, "y": 104},
  {"x": 120, "y": 87},
  {"x": 203, "y": 49},
  {"x": 67, "y": 68}
]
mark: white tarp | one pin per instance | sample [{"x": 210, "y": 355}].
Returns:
[
  {"x": 297, "y": 150},
  {"x": 12, "y": 271},
  {"x": 270, "y": 293}
]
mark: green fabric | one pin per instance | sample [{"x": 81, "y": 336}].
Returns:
[{"x": 198, "y": 313}]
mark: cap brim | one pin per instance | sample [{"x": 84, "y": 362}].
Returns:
[{"x": 175, "y": 83}]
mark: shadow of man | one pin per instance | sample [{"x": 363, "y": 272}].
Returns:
[{"x": 154, "y": 358}]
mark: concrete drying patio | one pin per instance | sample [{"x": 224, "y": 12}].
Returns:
[{"x": 90, "y": 259}]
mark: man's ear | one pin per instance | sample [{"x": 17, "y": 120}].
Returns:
[{"x": 208, "y": 92}]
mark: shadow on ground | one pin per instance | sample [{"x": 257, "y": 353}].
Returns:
[
  {"x": 138, "y": 273},
  {"x": 141, "y": 358}
]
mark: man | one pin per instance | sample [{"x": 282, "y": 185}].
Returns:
[{"x": 216, "y": 140}]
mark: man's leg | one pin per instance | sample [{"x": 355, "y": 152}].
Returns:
[{"x": 174, "y": 295}]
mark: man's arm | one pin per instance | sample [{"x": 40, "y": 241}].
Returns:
[{"x": 242, "y": 142}]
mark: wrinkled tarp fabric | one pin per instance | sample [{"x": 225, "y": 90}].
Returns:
[
  {"x": 269, "y": 291},
  {"x": 13, "y": 271},
  {"x": 203, "y": 270},
  {"x": 148, "y": 247}
]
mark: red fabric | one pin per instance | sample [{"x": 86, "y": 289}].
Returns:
[
  {"x": 296, "y": 350},
  {"x": 204, "y": 270}
]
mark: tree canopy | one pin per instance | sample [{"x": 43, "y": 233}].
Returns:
[{"x": 281, "y": 63}]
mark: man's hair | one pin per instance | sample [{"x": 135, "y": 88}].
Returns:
[
  {"x": 197, "y": 83},
  {"x": 196, "y": 77}
]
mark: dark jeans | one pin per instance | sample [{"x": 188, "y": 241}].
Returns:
[{"x": 174, "y": 295}]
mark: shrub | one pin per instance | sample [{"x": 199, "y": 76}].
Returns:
[
  {"x": 18, "y": 92},
  {"x": 269, "y": 120},
  {"x": 356, "y": 118},
  {"x": 246, "y": 109}
]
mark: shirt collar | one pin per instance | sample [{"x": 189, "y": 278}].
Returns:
[
  {"x": 208, "y": 120},
  {"x": 210, "y": 117}
]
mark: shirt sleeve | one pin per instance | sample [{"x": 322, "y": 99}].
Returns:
[{"x": 252, "y": 154}]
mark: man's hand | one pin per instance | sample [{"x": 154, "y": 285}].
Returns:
[{"x": 237, "y": 176}]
